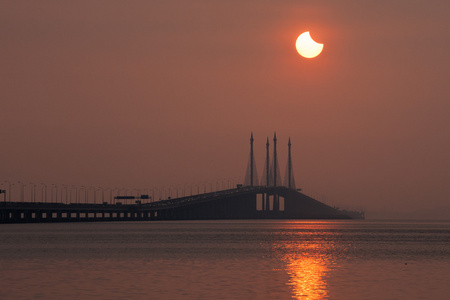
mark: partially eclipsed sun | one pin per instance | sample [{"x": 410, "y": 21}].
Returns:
[{"x": 306, "y": 46}]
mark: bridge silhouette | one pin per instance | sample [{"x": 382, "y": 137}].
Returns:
[{"x": 271, "y": 199}]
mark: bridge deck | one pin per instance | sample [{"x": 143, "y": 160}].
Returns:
[{"x": 239, "y": 203}]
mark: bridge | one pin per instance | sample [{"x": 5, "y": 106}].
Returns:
[{"x": 268, "y": 200}]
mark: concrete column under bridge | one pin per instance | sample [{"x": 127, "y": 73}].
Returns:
[{"x": 243, "y": 204}]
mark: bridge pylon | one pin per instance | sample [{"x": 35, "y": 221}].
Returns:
[
  {"x": 275, "y": 177},
  {"x": 251, "y": 176},
  {"x": 265, "y": 180},
  {"x": 271, "y": 177},
  {"x": 289, "y": 180}
]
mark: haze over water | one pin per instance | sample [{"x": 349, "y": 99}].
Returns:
[
  {"x": 226, "y": 260},
  {"x": 165, "y": 93},
  {"x": 157, "y": 95}
]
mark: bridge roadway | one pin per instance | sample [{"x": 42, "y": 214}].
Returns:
[{"x": 238, "y": 203}]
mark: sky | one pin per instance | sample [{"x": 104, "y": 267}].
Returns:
[{"x": 143, "y": 94}]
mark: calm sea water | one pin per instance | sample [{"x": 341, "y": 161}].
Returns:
[{"x": 226, "y": 260}]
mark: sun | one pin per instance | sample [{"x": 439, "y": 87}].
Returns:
[{"x": 307, "y": 47}]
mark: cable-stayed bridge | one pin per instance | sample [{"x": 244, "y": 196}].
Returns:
[{"x": 272, "y": 198}]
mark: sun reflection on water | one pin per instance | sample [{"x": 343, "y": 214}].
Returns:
[
  {"x": 307, "y": 252},
  {"x": 307, "y": 278}
]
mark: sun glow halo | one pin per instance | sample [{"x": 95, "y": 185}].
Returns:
[{"x": 307, "y": 47}]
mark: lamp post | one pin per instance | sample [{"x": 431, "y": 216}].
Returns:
[
  {"x": 161, "y": 193},
  {"x": 155, "y": 191},
  {"x": 81, "y": 191},
  {"x": 32, "y": 192},
  {"x": 93, "y": 190},
  {"x": 4, "y": 194},
  {"x": 110, "y": 195},
  {"x": 63, "y": 187},
  {"x": 184, "y": 189},
  {"x": 9, "y": 190},
  {"x": 21, "y": 191},
  {"x": 103, "y": 194},
  {"x": 126, "y": 193},
  {"x": 153, "y": 195},
  {"x": 117, "y": 193},
  {"x": 43, "y": 192},
  {"x": 76, "y": 194},
  {"x": 136, "y": 192},
  {"x": 55, "y": 187},
  {"x": 11, "y": 187},
  {"x": 168, "y": 192},
  {"x": 86, "y": 195}
]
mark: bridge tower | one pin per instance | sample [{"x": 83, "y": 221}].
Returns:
[
  {"x": 265, "y": 180},
  {"x": 275, "y": 174},
  {"x": 251, "y": 176},
  {"x": 274, "y": 177},
  {"x": 289, "y": 181}
]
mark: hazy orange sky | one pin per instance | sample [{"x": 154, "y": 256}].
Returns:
[{"x": 148, "y": 93}]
